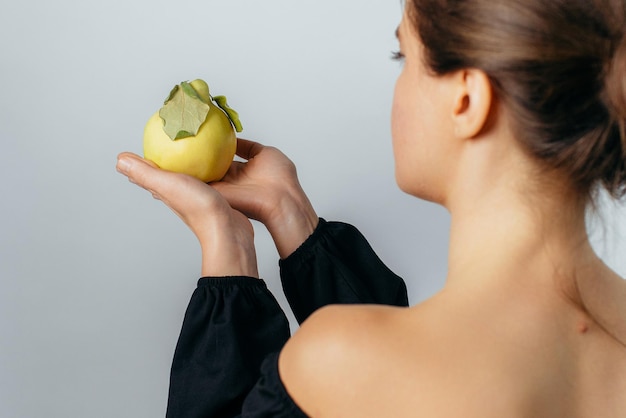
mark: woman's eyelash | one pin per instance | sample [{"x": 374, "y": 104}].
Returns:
[{"x": 397, "y": 55}]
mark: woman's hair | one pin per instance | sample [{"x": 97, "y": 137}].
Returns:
[{"x": 558, "y": 65}]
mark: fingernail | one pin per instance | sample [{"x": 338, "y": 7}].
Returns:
[{"x": 123, "y": 165}]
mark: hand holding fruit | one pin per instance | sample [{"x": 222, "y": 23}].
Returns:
[
  {"x": 226, "y": 235},
  {"x": 266, "y": 188},
  {"x": 193, "y": 135}
]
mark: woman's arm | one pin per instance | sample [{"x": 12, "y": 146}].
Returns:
[
  {"x": 321, "y": 262},
  {"x": 232, "y": 322},
  {"x": 230, "y": 327}
]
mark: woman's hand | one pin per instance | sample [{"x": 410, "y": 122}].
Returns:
[
  {"x": 226, "y": 235},
  {"x": 266, "y": 188}
]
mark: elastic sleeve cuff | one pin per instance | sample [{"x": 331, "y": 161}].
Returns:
[
  {"x": 304, "y": 251},
  {"x": 223, "y": 282}
]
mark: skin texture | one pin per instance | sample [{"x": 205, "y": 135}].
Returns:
[{"x": 530, "y": 322}]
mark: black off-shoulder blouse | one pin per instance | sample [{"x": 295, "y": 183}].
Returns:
[{"x": 226, "y": 360}]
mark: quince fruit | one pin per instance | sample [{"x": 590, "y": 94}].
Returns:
[{"x": 193, "y": 133}]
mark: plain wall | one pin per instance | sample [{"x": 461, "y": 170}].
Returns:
[{"x": 95, "y": 275}]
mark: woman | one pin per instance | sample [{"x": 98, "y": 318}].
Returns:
[{"x": 510, "y": 114}]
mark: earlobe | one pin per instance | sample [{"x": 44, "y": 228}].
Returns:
[{"x": 472, "y": 104}]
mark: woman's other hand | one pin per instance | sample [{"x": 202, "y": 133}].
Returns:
[
  {"x": 266, "y": 188},
  {"x": 226, "y": 235}
]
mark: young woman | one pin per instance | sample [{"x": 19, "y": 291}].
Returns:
[{"x": 510, "y": 114}]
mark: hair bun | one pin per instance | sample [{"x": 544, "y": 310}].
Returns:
[{"x": 559, "y": 69}]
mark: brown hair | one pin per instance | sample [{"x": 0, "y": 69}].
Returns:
[{"x": 558, "y": 65}]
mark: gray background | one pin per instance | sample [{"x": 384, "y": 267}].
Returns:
[{"x": 95, "y": 274}]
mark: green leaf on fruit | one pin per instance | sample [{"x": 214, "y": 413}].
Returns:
[
  {"x": 183, "y": 112},
  {"x": 230, "y": 112}
]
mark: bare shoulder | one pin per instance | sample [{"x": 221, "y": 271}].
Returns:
[
  {"x": 493, "y": 356},
  {"x": 331, "y": 360},
  {"x": 373, "y": 361}
]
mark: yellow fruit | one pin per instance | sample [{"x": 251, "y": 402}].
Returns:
[{"x": 207, "y": 155}]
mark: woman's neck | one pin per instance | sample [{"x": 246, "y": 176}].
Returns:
[
  {"x": 509, "y": 218},
  {"x": 500, "y": 234},
  {"x": 506, "y": 235}
]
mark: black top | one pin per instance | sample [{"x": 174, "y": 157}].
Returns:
[{"x": 226, "y": 359}]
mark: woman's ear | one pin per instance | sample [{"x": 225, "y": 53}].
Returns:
[{"x": 472, "y": 103}]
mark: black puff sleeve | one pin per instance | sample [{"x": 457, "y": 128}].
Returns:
[
  {"x": 226, "y": 359},
  {"x": 336, "y": 264},
  {"x": 230, "y": 326}
]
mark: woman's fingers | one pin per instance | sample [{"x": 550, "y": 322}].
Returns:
[
  {"x": 247, "y": 149},
  {"x": 246, "y": 199},
  {"x": 140, "y": 171},
  {"x": 127, "y": 155},
  {"x": 171, "y": 188}
]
